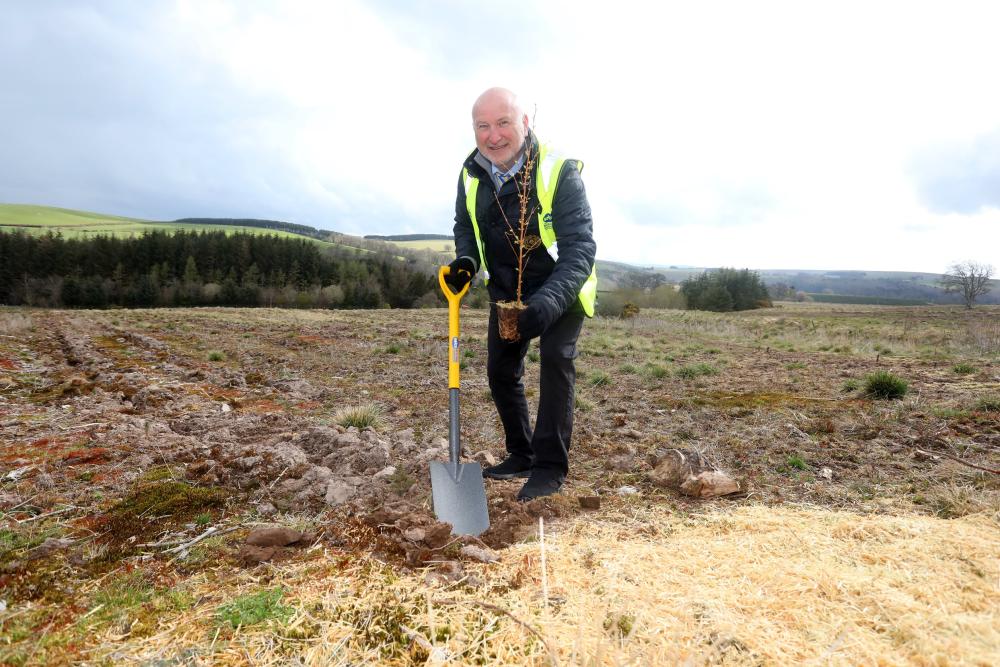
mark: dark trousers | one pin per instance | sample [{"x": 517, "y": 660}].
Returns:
[{"x": 548, "y": 445}]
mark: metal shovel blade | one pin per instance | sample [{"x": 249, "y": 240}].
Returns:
[{"x": 459, "y": 496}]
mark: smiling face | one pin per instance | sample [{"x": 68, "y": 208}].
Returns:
[{"x": 500, "y": 127}]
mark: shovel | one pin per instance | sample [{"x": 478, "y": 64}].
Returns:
[{"x": 457, "y": 489}]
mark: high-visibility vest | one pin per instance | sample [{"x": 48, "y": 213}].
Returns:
[{"x": 548, "y": 167}]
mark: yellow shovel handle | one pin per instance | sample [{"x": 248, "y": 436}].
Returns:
[{"x": 454, "y": 298}]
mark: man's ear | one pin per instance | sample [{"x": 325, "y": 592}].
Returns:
[{"x": 525, "y": 121}]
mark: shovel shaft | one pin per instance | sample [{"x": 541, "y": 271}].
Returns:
[
  {"x": 454, "y": 443},
  {"x": 454, "y": 299}
]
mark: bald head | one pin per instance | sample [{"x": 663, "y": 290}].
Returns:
[
  {"x": 500, "y": 125},
  {"x": 498, "y": 97}
]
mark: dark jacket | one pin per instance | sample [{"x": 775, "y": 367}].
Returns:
[{"x": 549, "y": 285}]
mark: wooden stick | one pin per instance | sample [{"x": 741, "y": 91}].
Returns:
[
  {"x": 42, "y": 516},
  {"x": 545, "y": 580},
  {"x": 212, "y": 531},
  {"x": 955, "y": 458}
]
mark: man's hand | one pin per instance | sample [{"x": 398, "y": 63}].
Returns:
[
  {"x": 529, "y": 323},
  {"x": 460, "y": 272}
]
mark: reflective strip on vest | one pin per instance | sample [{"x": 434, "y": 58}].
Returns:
[{"x": 546, "y": 180}]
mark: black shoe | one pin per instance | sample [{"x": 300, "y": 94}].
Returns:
[
  {"x": 541, "y": 483},
  {"x": 512, "y": 466}
]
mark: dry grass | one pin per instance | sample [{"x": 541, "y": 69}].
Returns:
[
  {"x": 13, "y": 323},
  {"x": 755, "y": 585}
]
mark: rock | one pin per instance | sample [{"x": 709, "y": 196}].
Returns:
[
  {"x": 273, "y": 536},
  {"x": 267, "y": 509},
  {"x": 590, "y": 502},
  {"x": 482, "y": 554},
  {"x": 319, "y": 441},
  {"x": 826, "y": 473},
  {"x": 384, "y": 473},
  {"x": 226, "y": 408},
  {"x": 485, "y": 458},
  {"x": 251, "y": 555},
  {"x": 414, "y": 534},
  {"x": 248, "y": 462},
  {"x": 347, "y": 439},
  {"x": 339, "y": 492},
  {"x": 709, "y": 484},
  {"x": 627, "y": 491},
  {"x": 672, "y": 467}
]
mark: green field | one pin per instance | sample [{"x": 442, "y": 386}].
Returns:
[
  {"x": 44, "y": 219},
  {"x": 437, "y": 245},
  {"x": 869, "y": 300}
]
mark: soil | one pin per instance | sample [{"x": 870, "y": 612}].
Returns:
[{"x": 133, "y": 426}]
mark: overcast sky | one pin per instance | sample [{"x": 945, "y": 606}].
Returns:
[{"x": 813, "y": 135}]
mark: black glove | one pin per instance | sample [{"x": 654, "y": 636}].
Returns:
[
  {"x": 460, "y": 272},
  {"x": 530, "y": 324}
]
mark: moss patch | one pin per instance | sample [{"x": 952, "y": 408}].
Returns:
[{"x": 161, "y": 500}]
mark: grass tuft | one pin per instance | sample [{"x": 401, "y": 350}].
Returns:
[
  {"x": 885, "y": 385},
  {"x": 257, "y": 608},
  {"x": 963, "y": 369},
  {"x": 692, "y": 371},
  {"x": 368, "y": 415},
  {"x": 599, "y": 379},
  {"x": 988, "y": 404}
]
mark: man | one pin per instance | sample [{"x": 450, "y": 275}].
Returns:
[{"x": 559, "y": 284}]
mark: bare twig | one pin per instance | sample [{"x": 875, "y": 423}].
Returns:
[
  {"x": 212, "y": 531},
  {"x": 48, "y": 514},
  {"x": 501, "y": 610},
  {"x": 958, "y": 460}
]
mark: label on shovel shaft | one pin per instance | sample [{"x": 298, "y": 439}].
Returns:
[{"x": 454, "y": 349}]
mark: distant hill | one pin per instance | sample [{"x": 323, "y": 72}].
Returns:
[
  {"x": 410, "y": 237},
  {"x": 304, "y": 230},
  {"x": 840, "y": 286}
]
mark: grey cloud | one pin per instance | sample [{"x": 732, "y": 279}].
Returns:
[
  {"x": 960, "y": 178},
  {"x": 103, "y": 108}
]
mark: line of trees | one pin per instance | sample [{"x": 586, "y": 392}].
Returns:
[
  {"x": 724, "y": 290},
  {"x": 199, "y": 268}
]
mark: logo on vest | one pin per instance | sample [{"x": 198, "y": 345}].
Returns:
[{"x": 547, "y": 219}]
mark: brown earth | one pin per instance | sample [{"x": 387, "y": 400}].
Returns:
[{"x": 123, "y": 434}]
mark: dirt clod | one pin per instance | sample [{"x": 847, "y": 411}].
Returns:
[{"x": 273, "y": 536}]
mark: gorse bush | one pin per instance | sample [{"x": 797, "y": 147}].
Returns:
[
  {"x": 614, "y": 304},
  {"x": 885, "y": 385}
]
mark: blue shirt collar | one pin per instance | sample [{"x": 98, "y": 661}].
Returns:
[{"x": 510, "y": 172}]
